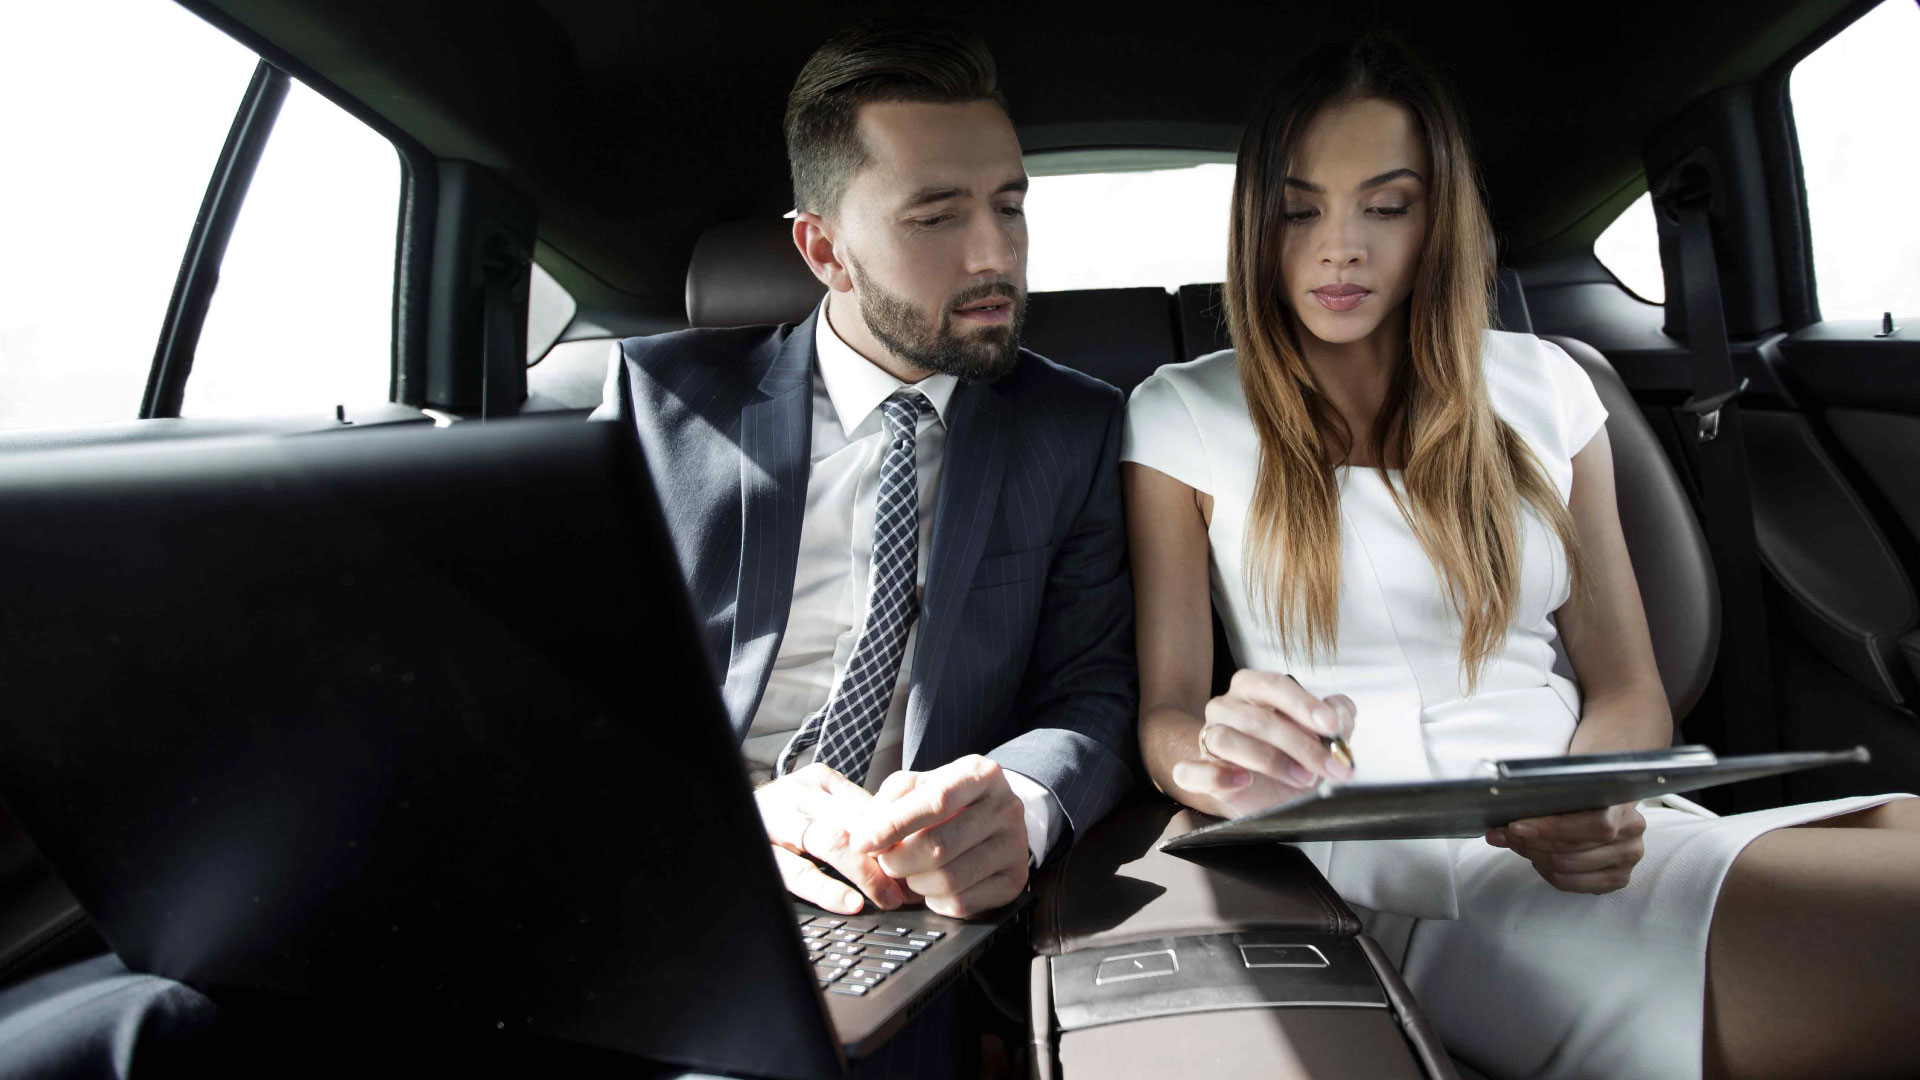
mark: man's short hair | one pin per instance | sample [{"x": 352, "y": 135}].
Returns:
[{"x": 919, "y": 60}]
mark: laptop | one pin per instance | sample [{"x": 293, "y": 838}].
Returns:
[{"x": 419, "y": 716}]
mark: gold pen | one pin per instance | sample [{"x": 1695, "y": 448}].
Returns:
[{"x": 1338, "y": 747}]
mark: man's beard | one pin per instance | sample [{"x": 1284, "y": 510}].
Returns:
[{"x": 981, "y": 357}]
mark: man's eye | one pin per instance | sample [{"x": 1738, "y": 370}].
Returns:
[
  {"x": 931, "y": 222},
  {"x": 1014, "y": 211}
]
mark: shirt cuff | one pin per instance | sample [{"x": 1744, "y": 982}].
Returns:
[{"x": 1045, "y": 819}]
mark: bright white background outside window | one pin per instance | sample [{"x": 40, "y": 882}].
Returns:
[
  {"x": 1112, "y": 230},
  {"x": 112, "y": 114},
  {"x": 303, "y": 317},
  {"x": 106, "y": 175},
  {"x": 1856, "y": 103},
  {"x": 1630, "y": 249}
]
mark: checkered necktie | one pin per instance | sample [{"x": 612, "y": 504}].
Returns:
[{"x": 847, "y": 727}]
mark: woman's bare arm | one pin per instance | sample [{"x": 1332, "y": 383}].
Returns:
[
  {"x": 1253, "y": 745},
  {"x": 1604, "y": 625},
  {"x": 1624, "y": 706}
]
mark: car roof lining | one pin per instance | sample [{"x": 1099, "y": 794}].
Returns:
[{"x": 603, "y": 115}]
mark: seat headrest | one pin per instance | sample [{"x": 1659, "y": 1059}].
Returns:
[{"x": 747, "y": 273}]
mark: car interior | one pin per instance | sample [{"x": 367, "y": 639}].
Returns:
[{"x": 629, "y": 156}]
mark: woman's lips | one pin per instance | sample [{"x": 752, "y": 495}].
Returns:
[{"x": 1341, "y": 297}]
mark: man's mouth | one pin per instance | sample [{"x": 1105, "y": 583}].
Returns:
[{"x": 988, "y": 310}]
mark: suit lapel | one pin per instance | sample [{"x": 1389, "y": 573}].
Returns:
[
  {"x": 776, "y": 432},
  {"x": 975, "y": 461}
]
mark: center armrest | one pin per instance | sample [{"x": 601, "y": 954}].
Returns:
[{"x": 1115, "y": 886}]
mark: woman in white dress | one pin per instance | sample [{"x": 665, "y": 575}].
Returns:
[{"x": 1397, "y": 513}]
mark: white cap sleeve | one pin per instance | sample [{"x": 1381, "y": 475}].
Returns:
[
  {"x": 1581, "y": 413},
  {"x": 1160, "y": 434}
]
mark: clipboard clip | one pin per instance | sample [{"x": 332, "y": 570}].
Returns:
[{"x": 1673, "y": 759}]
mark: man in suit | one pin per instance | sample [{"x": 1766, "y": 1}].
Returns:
[{"x": 902, "y": 532}]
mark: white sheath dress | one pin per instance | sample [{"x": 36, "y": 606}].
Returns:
[{"x": 1520, "y": 979}]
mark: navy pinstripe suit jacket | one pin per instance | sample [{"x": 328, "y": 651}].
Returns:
[{"x": 1025, "y": 647}]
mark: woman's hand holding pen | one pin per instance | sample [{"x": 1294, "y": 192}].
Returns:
[{"x": 1265, "y": 740}]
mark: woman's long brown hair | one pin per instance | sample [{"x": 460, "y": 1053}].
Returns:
[{"x": 1467, "y": 472}]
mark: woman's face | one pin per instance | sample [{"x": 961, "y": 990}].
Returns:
[{"x": 1356, "y": 218}]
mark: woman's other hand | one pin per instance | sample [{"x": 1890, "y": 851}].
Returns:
[
  {"x": 1262, "y": 743},
  {"x": 1593, "y": 851}
]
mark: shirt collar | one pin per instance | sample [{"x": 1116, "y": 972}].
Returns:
[{"x": 857, "y": 386}]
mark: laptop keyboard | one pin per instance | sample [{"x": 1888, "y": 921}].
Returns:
[{"x": 853, "y": 956}]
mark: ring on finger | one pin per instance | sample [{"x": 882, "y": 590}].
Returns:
[{"x": 1204, "y": 748}]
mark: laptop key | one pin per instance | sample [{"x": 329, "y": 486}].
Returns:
[
  {"x": 890, "y": 953},
  {"x": 840, "y": 961},
  {"x": 828, "y": 973},
  {"x": 930, "y": 935},
  {"x": 849, "y": 989},
  {"x": 844, "y": 935},
  {"x": 876, "y": 964},
  {"x": 892, "y": 943},
  {"x": 831, "y": 924},
  {"x": 844, "y": 948},
  {"x": 870, "y": 973},
  {"x": 863, "y": 927}
]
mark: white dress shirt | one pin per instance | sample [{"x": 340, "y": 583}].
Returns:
[{"x": 832, "y": 575}]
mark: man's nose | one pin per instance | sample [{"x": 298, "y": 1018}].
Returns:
[{"x": 992, "y": 246}]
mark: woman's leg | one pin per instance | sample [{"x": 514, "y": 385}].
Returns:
[
  {"x": 1898, "y": 814},
  {"x": 1815, "y": 950}
]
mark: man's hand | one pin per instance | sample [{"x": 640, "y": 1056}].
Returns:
[
  {"x": 807, "y": 812},
  {"x": 1593, "y": 851},
  {"x": 956, "y": 835}
]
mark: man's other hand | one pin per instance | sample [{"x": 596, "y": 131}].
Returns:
[
  {"x": 807, "y": 813},
  {"x": 956, "y": 835}
]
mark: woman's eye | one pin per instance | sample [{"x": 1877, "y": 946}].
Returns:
[
  {"x": 1391, "y": 211},
  {"x": 1295, "y": 217}
]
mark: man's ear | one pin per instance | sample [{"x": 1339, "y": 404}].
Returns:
[{"x": 814, "y": 238}]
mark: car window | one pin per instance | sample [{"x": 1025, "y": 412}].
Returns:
[
  {"x": 1085, "y": 212},
  {"x": 302, "y": 318},
  {"x": 550, "y": 310},
  {"x": 1856, "y": 105},
  {"x": 1630, "y": 250},
  {"x": 103, "y": 179}
]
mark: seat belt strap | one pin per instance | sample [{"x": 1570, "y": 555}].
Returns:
[{"x": 1746, "y": 668}]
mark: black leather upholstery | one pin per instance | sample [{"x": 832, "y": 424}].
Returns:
[
  {"x": 1849, "y": 597},
  {"x": 1203, "y": 321},
  {"x": 1510, "y": 303},
  {"x": 1118, "y": 335},
  {"x": 748, "y": 273}
]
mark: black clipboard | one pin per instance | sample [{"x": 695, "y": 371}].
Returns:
[{"x": 1508, "y": 791}]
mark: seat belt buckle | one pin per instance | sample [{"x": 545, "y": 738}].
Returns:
[{"x": 1706, "y": 411}]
